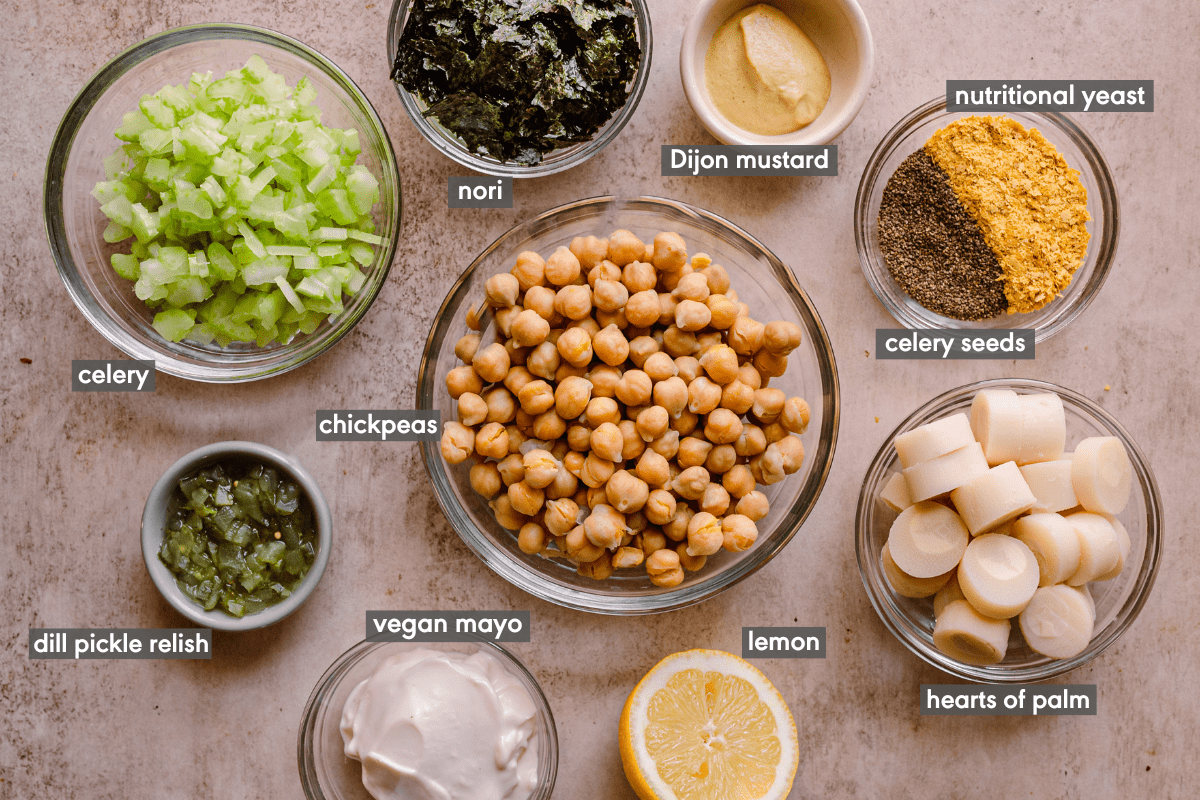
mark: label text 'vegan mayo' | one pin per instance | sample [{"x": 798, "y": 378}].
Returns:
[{"x": 431, "y": 725}]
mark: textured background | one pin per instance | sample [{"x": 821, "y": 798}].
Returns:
[{"x": 76, "y": 467}]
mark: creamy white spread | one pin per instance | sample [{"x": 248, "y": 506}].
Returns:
[{"x": 431, "y": 725}]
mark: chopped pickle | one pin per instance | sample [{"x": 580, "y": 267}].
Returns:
[{"x": 238, "y": 537}]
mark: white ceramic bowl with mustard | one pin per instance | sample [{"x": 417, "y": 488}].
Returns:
[{"x": 838, "y": 29}]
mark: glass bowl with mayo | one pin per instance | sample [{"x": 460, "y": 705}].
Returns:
[
  {"x": 1117, "y": 601},
  {"x": 397, "y": 720}
]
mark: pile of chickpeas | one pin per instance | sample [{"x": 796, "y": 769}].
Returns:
[{"x": 623, "y": 415}]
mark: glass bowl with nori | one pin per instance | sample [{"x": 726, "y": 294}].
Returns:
[
  {"x": 763, "y": 282},
  {"x": 898, "y": 151},
  {"x": 519, "y": 89},
  {"x": 75, "y": 225},
  {"x": 1118, "y": 601},
  {"x": 236, "y": 535}
]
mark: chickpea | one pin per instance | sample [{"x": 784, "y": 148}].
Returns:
[
  {"x": 723, "y": 310},
  {"x": 491, "y": 363},
  {"x": 624, "y": 247},
  {"x": 626, "y": 493},
  {"x": 676, "y": 530},
  {"x": 659, "y": 366},
  {"x": 666, "y": 308},
  {"x": 743, "y": 310},
  {"x": 688, "y": 368},
  {"x": 564, "y": 486},
  {"x": 516, "y": 379},
  {"x": 543, "y": 361},
  {"x": 633, "y": 445},
  {"x": 524, "y": 422},
  {"x": 492, "y": 441},
  {"x": 634, "y": 388},
  {"x": 718, "y": 278},
  {"x": 738, "y": 533},
  {"x": 604, "y": 380},
  {"x": 660, "y": 507},
  {"x": 636, "y": 521},
  {"x": 565, "y": 371},
  {"x": 607, "y": 442},
  {"x": 573, "y": 302},
  {"x": 746, "y": 336},
  {"x": 531, "y": 539},
  {"x": 541, "y": 468},
  {"x": 605, "y": 526},
  {"x": 610, "y": 294},
  {"x": 575, "y": 346},
  {"x": 679, "y": 343},
  {"x": 768, "y": 405},
  {"x": 606, "y": 271},
  {"x": 511, "y": 469},
  {"x": 501, "y": 406},
  {"x": 573, "y": 462},
  {"x": 704, "y": 535},
  {"x": 476, "y": 315},
  {"x": 516, "y": 355},
  {"x": 530, "y": 270},
  {"x": 589, "y": 250},
  {"x": 692, "y": 452},
  {"x": 738, "y": 481},
  {"x": 795, "y": 415},
  {"x": 472, "y": 409},
  {"x": 703, "y": 396},
  {"x": 561, "y": 516},
  {"x": 721, "y": 459},
  {"x": 653, "y": 469},
  {"x": 562, "y": 268},
  {"x": 641, "y": 349},
  {"x": 767, "y": 468},
  {"x": 579, "y": 437},
  {"x": 691, "y": 482},
  {"x": 599, "y": 570},
  {"x": 642, "y": 308},
  {"x": 580, "y": 548},
  {"x": 572, "y": 396},
  {"x": 504, "y": 318},
  {"x": 774, "y": 432},
  {"x": 663, "y": 568},
  {"x": 721, "y": 364},
  {"x": 652, "y": 541},
  {"x": 600, "y": 410},
  {"x": 548, "y": 426},
  {"x": 699, "y": 261},
  {"x": 507, "y": 516},
  {"x": 691, "y": 287},
  {"x": 781, "y": 338},
  {"x": 461, "y": 380},
  {"x": 748, "y": 375},
  {"x": 502, "y": 290},
  {"x": 516, "y": 438},
  {"x": 670, "y": 252},
  {"x": 595, "y": 471},
  {"x": 737, "y": 397},
  {"x": 706, "y": 340},
  {"x": 540, "y": 301},
  {"x": 616, "y": 318},
  {"x": 689, "y": 562},
  {"x": 692, "y": 316},
  {"x": 611, "y": 346},
  {"x": 669, "y": 280},
  {"x": 536, "y": 397},
  {"x": 525, "y": 499},
  {"x": 627, "y": 557},
  {"x": 666, "y": 445},
  {"x": 529, "y": 329},
  {"x": 723, "y": 426},
  {"x": 769, "y": 365},
  {"x": 581, "y": 498},
  {"x": 792, "y": 450},
  {"x": 671, "y": 394},
  {"x": 751, "y": 442},
  {"x": 464, "y": 348},
  {"x": 685, "y": 423},
  {"x": 715, "y": 499},
  {"x": 652, "y": 422},
  {"x": 485, "y": 479}
]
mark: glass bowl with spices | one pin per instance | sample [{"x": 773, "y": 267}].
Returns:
[
  {"x": 533, "y": 90},
  {"x": 912, "y": 617},
  {"x": 967, "y": 221},
  {"x": 563, "y": 540}
]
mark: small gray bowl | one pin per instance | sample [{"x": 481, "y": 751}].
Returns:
[{"x": 154, "y": 520}]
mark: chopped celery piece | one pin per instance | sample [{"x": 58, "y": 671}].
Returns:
[
  {"x": 290, "y": 294},
  {"x": 174, "y": 323},
  {"x": 369, "y": 238},
  {"x": 126, "y": 266}
]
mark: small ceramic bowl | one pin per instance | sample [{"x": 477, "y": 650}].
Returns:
[
  {"x": 154, "y": 521},
  {"x": 839, "y": 30}
]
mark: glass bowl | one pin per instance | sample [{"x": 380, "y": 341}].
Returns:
[
  {"x": 1080, "y": 152},
  {"x": 557, "y": 160},
  {"x": 1118, "y": 601},
  {"x": 154, "y": 524},
  {"x": 772, "y": 293},
  {"x": 74, "y": 223},
  {"x": 326, "y": 773}
]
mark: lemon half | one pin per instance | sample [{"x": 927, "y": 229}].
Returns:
[{"x": 705, "y": 725}]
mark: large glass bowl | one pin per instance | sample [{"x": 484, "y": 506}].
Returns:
[
  {"x": 1080, "y": 152},
  {"x": 451, "y": 146},
  {"x": 74, "y": 223},
  {"x": 772, "y": 293},
  {"x": 1118, "y": 601},
  {"x": 327, "y": 773}
]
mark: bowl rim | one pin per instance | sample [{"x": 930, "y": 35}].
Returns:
[
  {"x": 489, "y": 166},
  {"x": 1144, "y": 581},
  {"x": 1109, "y": 203},
  {"x": 356, "y": 653},
  {"x": 690, "y": 54},
  {"x": 53, "y": 202},
  {"x": 153, "y": 516},
  {"x": 532, "y": 582}
]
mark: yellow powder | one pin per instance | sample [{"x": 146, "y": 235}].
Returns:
[{"x": 1030, "y": 206}]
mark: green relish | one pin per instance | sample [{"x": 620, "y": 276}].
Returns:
[{"x": 238, "y": 536}]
